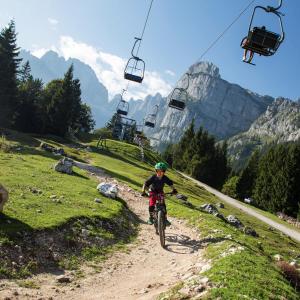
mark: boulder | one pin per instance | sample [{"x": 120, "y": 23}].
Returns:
[
  {"x": 233, "y": 220},
  {"x": 250, "y": 231},
  {"x": 3, "y": 196},
  {"x": 64, "y": 165},
  {"x": 108, "y": 189}
]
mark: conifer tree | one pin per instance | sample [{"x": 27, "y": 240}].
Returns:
[
  {"x": 246, "y": 182},
  {"x": 182, "y": 146},
  {"x": 9, "y": 63},
  {"x": 277, "y": 184}
]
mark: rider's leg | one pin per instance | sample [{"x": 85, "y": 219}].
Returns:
[
  {"x": 168, "y": 223},
  {"x": 151, "y": 212},
  {"x": 152, "y": 201}
]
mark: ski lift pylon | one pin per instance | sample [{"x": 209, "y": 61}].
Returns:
[
  {"x": 135, "y": 67},
  {"x": 260, "y": 40},
  {"x": 179, "y": 96}
]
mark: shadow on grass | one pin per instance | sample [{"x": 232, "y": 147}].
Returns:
[
  {"x": 121, "y": 177},
  {"x": 79, "y": 175},
  {"x": 120, "y": 157},
  {"x": 10, "y": 226}
]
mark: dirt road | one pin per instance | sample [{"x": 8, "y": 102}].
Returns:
[
  {"x": 290, "y": 232},
  {"x": 143, "y": 272}
]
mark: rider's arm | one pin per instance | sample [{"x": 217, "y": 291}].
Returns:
[
  {"x": 147, "y": 183},
  {"x": 170, "y": 183}
]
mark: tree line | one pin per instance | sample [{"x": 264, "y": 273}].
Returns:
[
  {"x": 27, "y": 105},
  {"x": 198, "y": 155},
  {"x": 271, "y": 178}
]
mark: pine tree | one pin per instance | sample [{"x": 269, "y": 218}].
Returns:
[
  {"x": 25, "y": 72},
  {"x": 277, "y": 184},
  {"x": 248, "y": 176},
  {"x": 9, "y": 63},
  {"x": 31, "y": 111},
  {"x": 182, "y": 146}
]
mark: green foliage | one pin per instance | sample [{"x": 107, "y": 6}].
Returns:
[
  {"x": 104, "y": 133},
  {"x": 230, "y": 187},
  {"x": 5, "y": 145},
  {"x": 248, "y": 176},
  {"x": 9, "y": 63},
  {"x": 198, "y": 155},
  {"x": 277, "y": 185},
  {"x": 29, "y": 107}
]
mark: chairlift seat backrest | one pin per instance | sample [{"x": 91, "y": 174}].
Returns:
[
  {"x": 265, "y": 38},
  {"x": 132, "y": 77},
  {"x": 149, "y": 124},
  {"x": 122, "y": 112},
  {"x": 177, "y": 104}
]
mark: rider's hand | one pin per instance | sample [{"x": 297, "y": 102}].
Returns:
[{"x": 174, "y": 192}]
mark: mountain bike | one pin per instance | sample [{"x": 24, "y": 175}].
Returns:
[{"x": 159, "y": 217}]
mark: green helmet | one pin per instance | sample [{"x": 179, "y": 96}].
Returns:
[{"x": 161, "y": 166}]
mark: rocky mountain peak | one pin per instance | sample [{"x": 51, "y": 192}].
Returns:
[{"x": 204, "y": 67}]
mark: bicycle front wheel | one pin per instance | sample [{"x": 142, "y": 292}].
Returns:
[{"x": 161, "y": 227}]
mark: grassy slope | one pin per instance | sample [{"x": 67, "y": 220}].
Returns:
[{"x": 254, "y": 265}]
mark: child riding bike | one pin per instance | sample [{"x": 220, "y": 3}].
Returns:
[{"x": 156, "y": 183}]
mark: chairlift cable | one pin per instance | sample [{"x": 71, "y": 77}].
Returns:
[
  {"x": 144, "y": 27},
  {"x": 227, "y": 28}
]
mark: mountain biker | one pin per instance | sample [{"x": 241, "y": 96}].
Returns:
[{"x": 156, "y": 183}]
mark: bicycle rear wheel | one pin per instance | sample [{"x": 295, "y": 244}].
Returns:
[{"x": 161, "y": 227}]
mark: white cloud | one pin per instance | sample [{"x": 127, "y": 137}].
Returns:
[
  {"x": 39, "y": 52},
  {"x": 52, "y": 21},
  {"x": 169, "y": 72},
  {"x": 109, "y": 69}
]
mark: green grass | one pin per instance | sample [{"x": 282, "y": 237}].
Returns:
[{"x": 31, "y": 169}]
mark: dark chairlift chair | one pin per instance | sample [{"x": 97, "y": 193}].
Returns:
[
  {"x": 123, "y": 106},
  {"x": 262, "y": 41},
  {"x": 179, "y": 96},
  {"x": 139, "y": 129},
  {"x": 150, "y": 120},
  {"x": 135, "y": 67}
]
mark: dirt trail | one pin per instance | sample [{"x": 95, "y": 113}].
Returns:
[{"x": 143, "y": 272}]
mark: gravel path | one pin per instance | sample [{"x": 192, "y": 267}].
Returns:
[
  {"x": 142, "y": 272},
  {"x": 290, "y": 232}
]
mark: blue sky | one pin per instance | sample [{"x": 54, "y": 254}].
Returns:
[{"x": 101, "y": 33}]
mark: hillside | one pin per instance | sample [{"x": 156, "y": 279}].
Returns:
[
  {"x": 53, "y": 224},
  {"x": 222, "y": 108},
  {"x": 279, "y": 124}
]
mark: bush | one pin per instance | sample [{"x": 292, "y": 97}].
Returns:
[
  {"x": 4, "y": 144},
  {"x": 229, "y": 188},
  {"x": 104, "y": 133}
]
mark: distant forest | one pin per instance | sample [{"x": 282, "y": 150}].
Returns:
[
  {"x": 29, "y": 106},
  {"x": 271, "y": 177}
]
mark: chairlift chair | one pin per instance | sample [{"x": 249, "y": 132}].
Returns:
[
  {"x": 262, "y": 41},
  {"x": 123, "y": 107},
  {"x": 139, "y": 129},
  {"x": 179, "y": 96},
  {"x": 135, "y": 67},
  {"x": 178, "y": 99},
  {"x": 150, "y": 120}
]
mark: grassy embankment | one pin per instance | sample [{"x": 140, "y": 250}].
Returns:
[{"x": 251, "y": 272}]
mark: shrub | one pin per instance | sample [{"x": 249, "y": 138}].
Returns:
[{"x": 4, "y": 144}]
